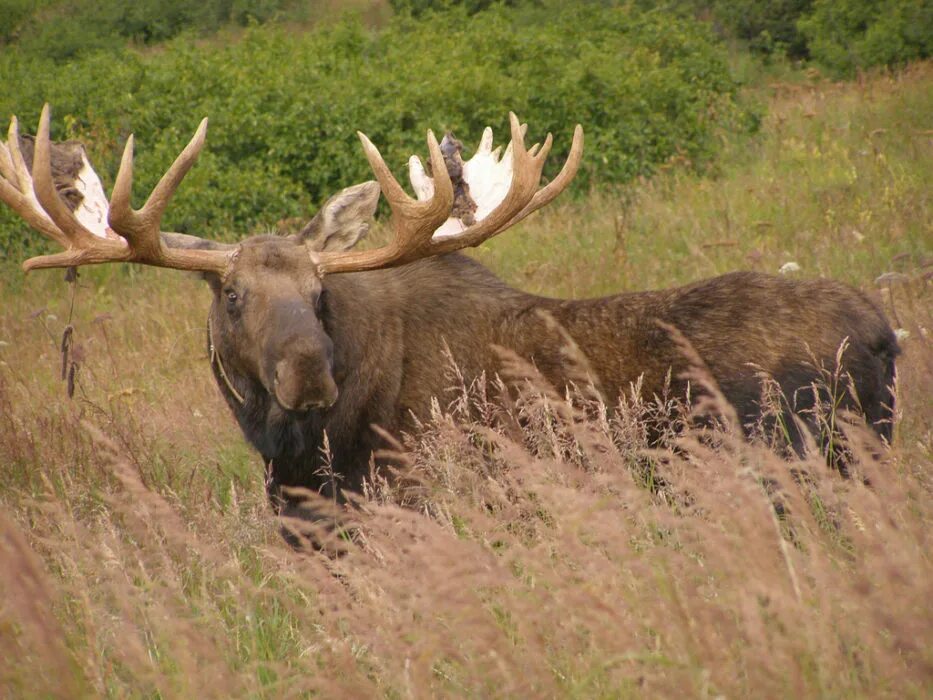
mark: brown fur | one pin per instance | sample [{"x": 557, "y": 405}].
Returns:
[
  {"x": 464, "y": 208},
  {"x": 66, "y": 160},
  {"x": 382, "y": 336}
]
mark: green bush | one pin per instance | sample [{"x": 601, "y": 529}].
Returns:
[
  {"x": 764, "y": 28},
  {"x": 768, "y": 27},
  {"x": 14, "y": 14},
  {"x": 63, "y": 30},
  {"x": 846, "y": 35},
  {"x": 842, "y": 35},
  {"x": 420, "y": 7},
  {"x": 284, "y": 107}
]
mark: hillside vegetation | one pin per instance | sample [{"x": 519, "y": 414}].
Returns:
[
  {"x": 285, "y": 106},
  {"x": 841, "y": 35},
  {"x": 286, "y": 83},
  {"x": 535, "y": 552}
]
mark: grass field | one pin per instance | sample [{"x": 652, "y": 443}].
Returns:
[{"x": 138, "y": 557}]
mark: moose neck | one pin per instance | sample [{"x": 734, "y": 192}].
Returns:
[{"x": 399, "y": 327}]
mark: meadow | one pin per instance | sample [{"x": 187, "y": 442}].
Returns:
[{"x": 139, "y": 558}]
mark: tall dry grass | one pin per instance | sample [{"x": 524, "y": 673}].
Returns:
[{"x": 535, "y": 546}]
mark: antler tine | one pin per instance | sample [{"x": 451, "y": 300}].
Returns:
[
  {"x": 20, "y": 171},
  {"x": 542, "y": 153},
  {"x": 393, "y": 191},
  {"x": 432, "y": 213},
  {"x": 415, "y": 221},
  {"x": 141, "y": 226},
  {"x": 122, "y": 218},
  {"x": 507, "y": 155},
  {"x": 7, "y": 171},
  {"x": 44, "y": 187},
  {"x": 16, "y": 188},
  {"x": 165, "y": 189},
  {"x": 526, "y": 174},
  {"x": 547, "y": 194}
]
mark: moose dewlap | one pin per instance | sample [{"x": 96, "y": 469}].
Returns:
[{"x": 308, "y": 336}]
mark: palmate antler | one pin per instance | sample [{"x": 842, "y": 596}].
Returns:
[
  {"x": 36, "y": 200},
  {"x": 480, "y": 184},
  {"x": 416, "y": 222}
]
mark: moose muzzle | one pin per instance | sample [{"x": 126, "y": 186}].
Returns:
[
  {"x": 303, "y": 376},
  {"x": 300, "y": 360}
]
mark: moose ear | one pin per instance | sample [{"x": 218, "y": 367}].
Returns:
[{"x": 343, "y": 220}]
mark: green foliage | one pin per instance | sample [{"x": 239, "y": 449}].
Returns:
[
  {"x": 764, "y": 28},
  {"x": 417, "y": 8},
  {"x": 284, "y": 108},
  {"x": 768, "y": 27},
  {"x": 62, "y": 30},
  {"x": 13, "y": 14},
  {"x": 846, "y": 35},
  {"x": 842, "y": 35}
]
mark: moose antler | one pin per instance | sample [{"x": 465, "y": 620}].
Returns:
[
  {"x": 416, "y": 222},
  {"x": 36, "y": 200}
]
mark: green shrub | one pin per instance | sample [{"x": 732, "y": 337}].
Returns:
[
  {"x": 842, "y": 35},
  {"x": 420, "y": 7},
  {"x": 765, "y": 28},
  {"x": 284, "y": 107},
  {"x": 14, "y": 14},
  {"x": 63, "y": 30},
  {"x": 846, "y": 35},
  {"x": 768, "y": 27}
]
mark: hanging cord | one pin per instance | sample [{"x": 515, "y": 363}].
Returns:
[
  {"x": 215, "y": 359},
  {"x": 69, "y": 364},
  {"x": 69, "y": 353}
]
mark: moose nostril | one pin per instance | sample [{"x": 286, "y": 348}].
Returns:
[{"x": 300, "y": 383}]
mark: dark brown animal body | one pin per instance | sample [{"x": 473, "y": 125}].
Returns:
[
  {"x": 309, "y": 336},
  {"x": 390, "y": 330}
]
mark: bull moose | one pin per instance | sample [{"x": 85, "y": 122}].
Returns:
[{"x": 308, "y": 336}]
